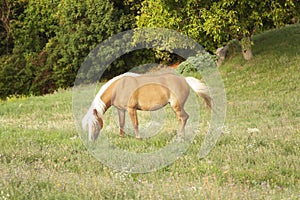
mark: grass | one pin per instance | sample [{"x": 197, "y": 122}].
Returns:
[{"x": 257, "y": 157}]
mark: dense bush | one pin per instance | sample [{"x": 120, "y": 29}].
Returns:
[
  {"x": 48, "y": 40},
  {"x": 197, "y": 65}
]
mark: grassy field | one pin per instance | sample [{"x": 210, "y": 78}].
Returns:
[{"x": 257, "y": 157}]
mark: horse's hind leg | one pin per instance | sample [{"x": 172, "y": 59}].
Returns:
[
  {"x": 182, "y": 117},
  {"x": 133, "y": 116},
  {"x": 121, "y": 114}
]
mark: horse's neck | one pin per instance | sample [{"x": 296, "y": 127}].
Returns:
[
  {"x": 107, "y": 95},
  {"x": 106, "y": 99},
  {"x": 106, "y": 92}
]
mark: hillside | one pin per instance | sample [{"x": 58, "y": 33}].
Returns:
[{"x": 41, "y": 156}]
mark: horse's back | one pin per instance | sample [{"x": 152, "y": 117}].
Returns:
[
  {"x": 149, "y": 90},
  {"x": 170, "y": 80}
]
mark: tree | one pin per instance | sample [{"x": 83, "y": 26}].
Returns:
[
  {"x": 83, "y": 25},
  {"x": 31, "y": 24},
  {"x": 240, "y": 19},
  {"x": 10, "y": 11},
  {"x": 215, "y": 23},
  {"x": 48, "y": 40},
  {"x": 31, "y": 35},
  {"x": 5, "y": 10}
]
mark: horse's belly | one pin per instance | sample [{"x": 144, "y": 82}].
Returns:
[{"x": 150, "y": 97}]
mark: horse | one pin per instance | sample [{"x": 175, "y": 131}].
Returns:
[{"x": 147, "y": 92}]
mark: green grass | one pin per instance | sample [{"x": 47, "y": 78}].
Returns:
[{"x": 42, "y": 157}]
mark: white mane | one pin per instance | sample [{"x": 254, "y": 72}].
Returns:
[{"x": 98, "y": 104}]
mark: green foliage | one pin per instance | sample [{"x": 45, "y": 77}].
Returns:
[
  {"x": 195, "y": 65},
  {"x": 83, "y": 26},
  {"x": 10, "y": 13},
  {"x": 226, "y": 20},
  {"x": 50, "y": 39},
  {"x": 215, "y": 23},
  {"x": 24, "y": 71},
  {"x": 33, "y": 30},
  {"x": 15, "y": 78},
  {"x": 155, "y": 14}
]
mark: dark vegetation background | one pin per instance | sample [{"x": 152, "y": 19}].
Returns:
[{"x": 43, "y": 43}]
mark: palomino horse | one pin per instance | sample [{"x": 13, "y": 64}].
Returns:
[{"x": 131, "y": 92}]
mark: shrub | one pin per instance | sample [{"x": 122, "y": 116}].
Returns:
[{"x": 197, "y": 65}]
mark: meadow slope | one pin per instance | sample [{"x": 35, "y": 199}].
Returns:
[{"x": 257, "y": 157}]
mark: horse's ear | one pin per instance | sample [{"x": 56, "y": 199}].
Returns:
[{"x": 95, "y": 112}]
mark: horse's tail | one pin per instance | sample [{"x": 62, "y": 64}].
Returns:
[{"x": 200, "y": 88}]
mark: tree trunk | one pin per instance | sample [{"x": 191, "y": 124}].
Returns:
[
  {"x": 246, "y": 48},
  {"x": 247, "y": 54}
]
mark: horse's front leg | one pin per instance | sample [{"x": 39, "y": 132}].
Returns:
[
  {"x": 133, "y": 116},
  {"x": 121, "y": 114}
]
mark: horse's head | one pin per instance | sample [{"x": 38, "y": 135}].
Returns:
[{"x": 93, "y": 123}]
